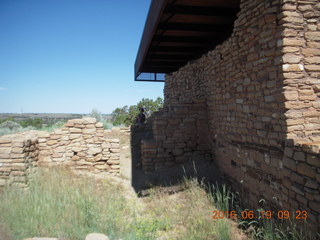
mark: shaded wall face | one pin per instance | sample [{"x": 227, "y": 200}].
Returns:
[
  {"x": 242, "y": 83},
  {"x": 263, "y": 82},
  {"x": 261, "y": 88},
  {"x": 241, "y": 80}
]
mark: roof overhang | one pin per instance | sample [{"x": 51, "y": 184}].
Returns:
[{"x": 177, "y": 31}]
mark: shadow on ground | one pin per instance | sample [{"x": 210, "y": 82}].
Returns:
[{"x": 198, "y": 167}]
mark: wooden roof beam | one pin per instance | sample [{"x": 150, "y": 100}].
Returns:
[
  {"x": 186, "y": 39},
  {"x": 202, "y": 11},
  {"x": 170, "y": 57},
  {"x": 175, "y": 49},
  {"x": 154, "y": 15},
  {"x": 195, "y": 27},
  {"x": 158, "y": 69},
  {"x": 163, "y": 64}
]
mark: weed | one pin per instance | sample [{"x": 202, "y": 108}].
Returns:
[
  {"x": 59, "y": 204},
  {"x": 221, "y": 196}
]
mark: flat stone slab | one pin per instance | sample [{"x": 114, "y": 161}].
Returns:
[
  {"x": 96, "y": 236},
  {"x": 38, "y": 238}
]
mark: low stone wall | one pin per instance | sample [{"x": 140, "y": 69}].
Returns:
[
  {"x": 82, "y": 144},
  {"x": 18, "y": 158}
]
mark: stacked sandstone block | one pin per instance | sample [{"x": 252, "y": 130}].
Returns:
[
  {"x": 81, "y": 144},
  {"x": 18, "y": 158},
  {"x": 179, "y": 133},
  {"x": 301, "y": 67},
  {"x": 121, "y": 130},
  {"x": 302, "y": 179}
]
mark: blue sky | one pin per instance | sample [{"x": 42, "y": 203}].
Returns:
[{"x": 70, "y": 56}]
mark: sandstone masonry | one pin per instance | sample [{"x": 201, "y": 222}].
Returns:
[
  {"x": 82, "y": 144},
  {"x": 18, "y": 158},
  {"x": 253, "y": 105}
]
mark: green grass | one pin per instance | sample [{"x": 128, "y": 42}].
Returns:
[
  {"x": 270, "y": 230},
  {"x": 59, "y": 204},
  {"x": 188, "y": 213},
  {"x": 221, "y": 196},
  {"x": 257, "y": 229}
]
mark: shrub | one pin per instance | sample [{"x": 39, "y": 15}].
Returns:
[
  {"x": 6, "y": 119},
  {"x": 97, "y": 115},
  {"x": 30, "y": 122},
  {"x": 10, "y": 125}
]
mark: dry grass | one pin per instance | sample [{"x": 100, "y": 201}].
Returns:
[
  {"x": 188, "y": 214},
  {"x": 60, "y": 204}
]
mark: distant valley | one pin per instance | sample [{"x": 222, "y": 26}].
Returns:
[{"x": 47, "y": 117}]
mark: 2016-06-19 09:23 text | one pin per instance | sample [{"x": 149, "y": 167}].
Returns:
[{"x": 250, "y": 214}]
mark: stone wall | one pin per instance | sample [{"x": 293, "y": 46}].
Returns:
[
  {"x": 301, "y": 68},
  {"x": 18, "y": 158},
  {"x": 82, "y": 144},
  {"x": 301, "y": 178},
  {"x": 261, "y": 94},
  {"x": 241, "y": 80},
  {"x": 179, "y": 136}
]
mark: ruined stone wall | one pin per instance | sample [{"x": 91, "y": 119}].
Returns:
[
  {"x": 180, "y": 135},
  {"x": 18, "y": 158},
  {"x": 261, "y": 90},
  {"x": 82, "y": 144}
]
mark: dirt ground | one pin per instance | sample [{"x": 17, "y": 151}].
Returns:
[
  {"x": 3, "y": 233},
  {"x": 125, "y": 153}
]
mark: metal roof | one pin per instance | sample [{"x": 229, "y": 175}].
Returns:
[{"x": 177, "y": 31}]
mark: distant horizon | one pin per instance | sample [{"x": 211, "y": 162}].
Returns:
[{"x": 52, "y": 113}]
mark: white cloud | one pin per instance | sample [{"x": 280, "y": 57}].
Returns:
[{"x": 1, "y": 89}]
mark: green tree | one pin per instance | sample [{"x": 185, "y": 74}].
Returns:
[
  {"x": 128, "y": 115},
  {"x": 132, "y": 115},
  {"x": 150, "y": 106},
  {"x": 119, "y": 115}
]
